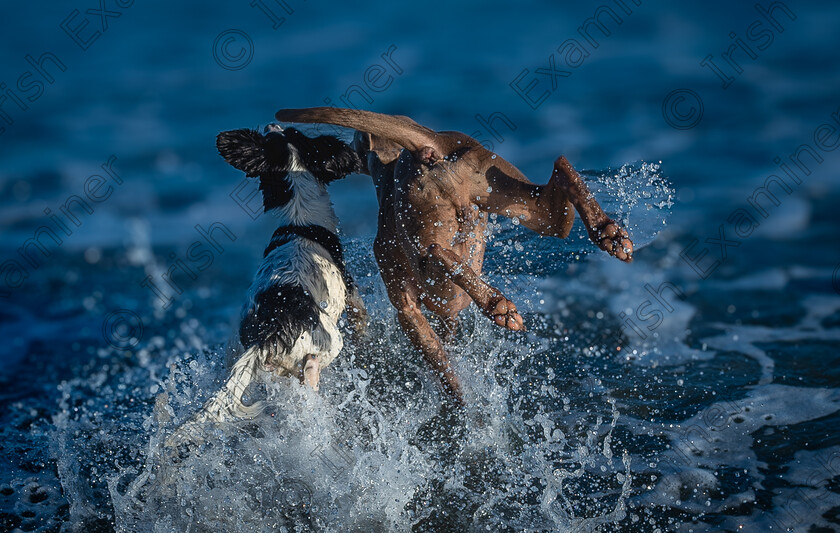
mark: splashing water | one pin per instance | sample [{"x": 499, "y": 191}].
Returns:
[
  {"x": 377, "y": 449},
  {"x": 637, "y": 196},
  {"x": 373, "y": 452}
]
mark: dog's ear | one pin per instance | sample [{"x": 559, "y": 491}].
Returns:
[
  {"x": 330, "y": 158},
  {"x": 344, "y": 161},
  {"x": 243, "y": 149}
]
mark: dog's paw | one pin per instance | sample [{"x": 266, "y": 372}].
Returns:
[
  {"x": 614, "y": 240},
  {"x": 504, "y": 314}
]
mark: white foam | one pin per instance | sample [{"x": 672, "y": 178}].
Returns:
[{"x": 721, "y": 436}]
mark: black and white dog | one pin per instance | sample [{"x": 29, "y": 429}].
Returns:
[{"x": 290, "y": 321}]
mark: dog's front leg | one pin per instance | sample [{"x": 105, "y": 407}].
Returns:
[{"x": 489, "y": 299}]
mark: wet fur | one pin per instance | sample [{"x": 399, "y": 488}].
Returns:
[
  {"x": 435, "y": 191},
  {"x": 299, "y": 291}
]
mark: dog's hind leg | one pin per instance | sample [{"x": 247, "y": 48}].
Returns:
[
  {"x": 489, "y": 299},
  {"x": 550, "y": 209},
  {"x": 605, "y": 232}
]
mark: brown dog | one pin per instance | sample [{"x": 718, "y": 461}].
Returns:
[{"x": 435, "y": 192}]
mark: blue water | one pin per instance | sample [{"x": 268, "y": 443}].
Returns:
[{"x": 684, "y": 392}]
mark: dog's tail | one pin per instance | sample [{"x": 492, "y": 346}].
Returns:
[
  {"x": 401, "y": 130},
  {"x": 225, "y": 405}
]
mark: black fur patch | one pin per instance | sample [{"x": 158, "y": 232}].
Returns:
[
  {"x": 276, "y": 189},
  {"x": 319, "y": 235},
  {"x": 268, "y": 157},
  {"x": 244, "y": 149},
  {"x": 279, "y": 317},
  {"x": 327, "y": 158}
]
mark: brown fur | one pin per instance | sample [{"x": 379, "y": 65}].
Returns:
[{"x": 435, "y": 190}]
